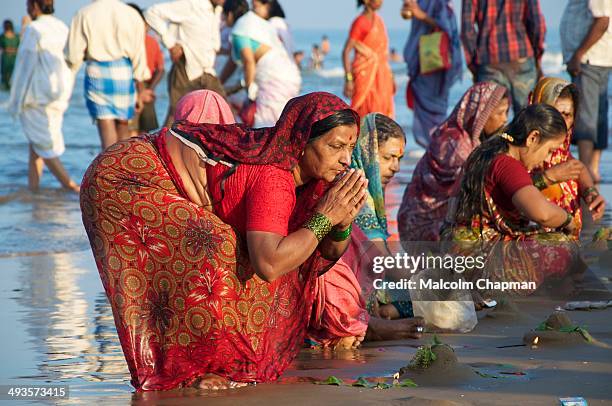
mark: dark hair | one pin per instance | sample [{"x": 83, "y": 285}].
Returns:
[
  {"x": 137, "y": 8},
  {"x": 7, "y": 25},
  {"x": 276, "y": 10},
  {"x": 46, "y": 6},
  {"x": 237, "y": 7},
  {"x": 387, "y": 128},
  {"x": 360, "y": 3},
  {"x": 537, "y": 117},
  {"x": 340, "y": 117},
  {"x": 571, "y": 92}
]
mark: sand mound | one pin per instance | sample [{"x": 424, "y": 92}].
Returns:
[
  {"x": 445, "y": 369},
  {"x": 558, "y": 329},
  {"x": 507, "y": 310}
]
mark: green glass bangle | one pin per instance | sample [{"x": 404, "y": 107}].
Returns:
[
  {"x": 340, "y": 235},
  {"x": 319, "y": 224},
  {"x": 568, "y": 220},
  {"x": 590, "y": 191},
  {"x": 538, "y": 181}
]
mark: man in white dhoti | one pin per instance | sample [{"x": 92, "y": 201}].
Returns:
[{"x": 42, "y": 85}]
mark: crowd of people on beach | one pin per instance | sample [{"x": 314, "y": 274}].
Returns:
[{"x": 245, "y": 227}]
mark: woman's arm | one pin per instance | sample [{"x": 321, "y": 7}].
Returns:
[
  {"x": 346, "y": 60},
  {"x": 419, "y": 14},
  {"x": 532, "y": 203},
  {"x": 273, "y": 255},
  {"x": 228, "y": 70},
  {"x": 248, "y": 61}
]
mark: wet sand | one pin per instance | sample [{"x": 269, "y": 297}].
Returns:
[{"x": 59, "y": 329}]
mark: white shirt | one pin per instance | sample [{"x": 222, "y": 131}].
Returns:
[
  {"x": 108, "y": 30},
  {"x": 195, "y": 26},
  {"x": 41, "y": 74},
  {"x": 575, "y": 25}
]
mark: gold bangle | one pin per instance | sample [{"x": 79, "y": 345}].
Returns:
[
  {"x": 319, "y": 224},
  {"x": 349, "y": 77}
]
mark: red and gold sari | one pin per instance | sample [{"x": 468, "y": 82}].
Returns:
[
  {"x": 564, "y": 194},
  {"x": 185, "y": 298}
]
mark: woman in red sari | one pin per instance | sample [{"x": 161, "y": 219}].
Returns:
[
  {"x": 562, "y": 178},
  {"x": 208, "y": 239},
  {"x": 503, "y": 217},
  {"x": 369, "y": 80}
]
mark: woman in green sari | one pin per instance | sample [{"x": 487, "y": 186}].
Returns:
[{"x": 9, "y": 42}]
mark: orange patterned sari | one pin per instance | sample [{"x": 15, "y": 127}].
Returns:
[{"x": 374, "y": 88}]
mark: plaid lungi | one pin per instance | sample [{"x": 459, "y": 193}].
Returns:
[{"x": 110, "y": 92}]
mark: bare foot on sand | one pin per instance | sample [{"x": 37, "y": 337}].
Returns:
[
  {"x": 73, "y": 187},
  {"x": 349, "y": 343},
  {"x": 216, "y": 382},
  {"x": 382, "y": 329}
]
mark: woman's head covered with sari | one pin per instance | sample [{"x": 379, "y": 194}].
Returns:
[
  {"x": 558, "y": 93},
  {"x": 376, "y": 130},
  {"x": 304, "y": 121},
  {"x": 473, "y": 114},
  {"x": 480, "y": 113},
  {"x": 203, "y": 106}
]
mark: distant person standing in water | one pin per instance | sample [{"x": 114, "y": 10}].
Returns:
[
  {"x": 325, "y": 45},
  {"x": 316, "y": 58},
  {"x": 191, "y": 31},
  {"x": 9, "y": 42},
  {"x": 586, "y": 40},
  {"x": 41, "y": 89},
  {"x": 110, "y": 36},
  {"x": 368, "y": 77},
  {"x": 394, "y": 56},
  {"x": 504, "y": 43},
  {"x": 427, "y": 94},
  {"x": 146, "y": 120}
]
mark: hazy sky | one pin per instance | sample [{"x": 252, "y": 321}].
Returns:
[{"x": 316, "y": 14}]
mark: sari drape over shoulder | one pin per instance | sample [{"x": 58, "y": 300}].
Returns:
[
  {"x": 425, "y": 201},
  {"x": 373, "y": 79},
  {"x": 185, "y": 298},
  {"x": 563, "y": 194},
  {"x": 514, "y": 249}
]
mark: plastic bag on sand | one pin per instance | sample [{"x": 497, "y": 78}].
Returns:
[
  {"x": 450, "y": 315},
  {"x": 450, "y": 310}
]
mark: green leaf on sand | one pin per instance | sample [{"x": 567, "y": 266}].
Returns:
[
  {"x": 331, "y": 380},
  {"x": 362, "y": 383},
  {"x": 407, "y": 383},
  {"x": 382, "y": 385}
]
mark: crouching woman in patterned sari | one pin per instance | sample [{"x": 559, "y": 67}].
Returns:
[
  {"x": 501, "y": 214},
  {"x": 208, "y": 239}
]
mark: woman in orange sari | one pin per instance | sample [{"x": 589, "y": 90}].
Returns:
[
  {"x": 565, "y": 193},
  {"x": 368, "y": 80}
]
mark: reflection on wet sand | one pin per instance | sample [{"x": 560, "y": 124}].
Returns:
[{"x": 73, "y": 335}]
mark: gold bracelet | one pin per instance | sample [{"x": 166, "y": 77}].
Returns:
[
  {"x": 349, "y": 77},
  {"x": 319, "y": 224}
]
